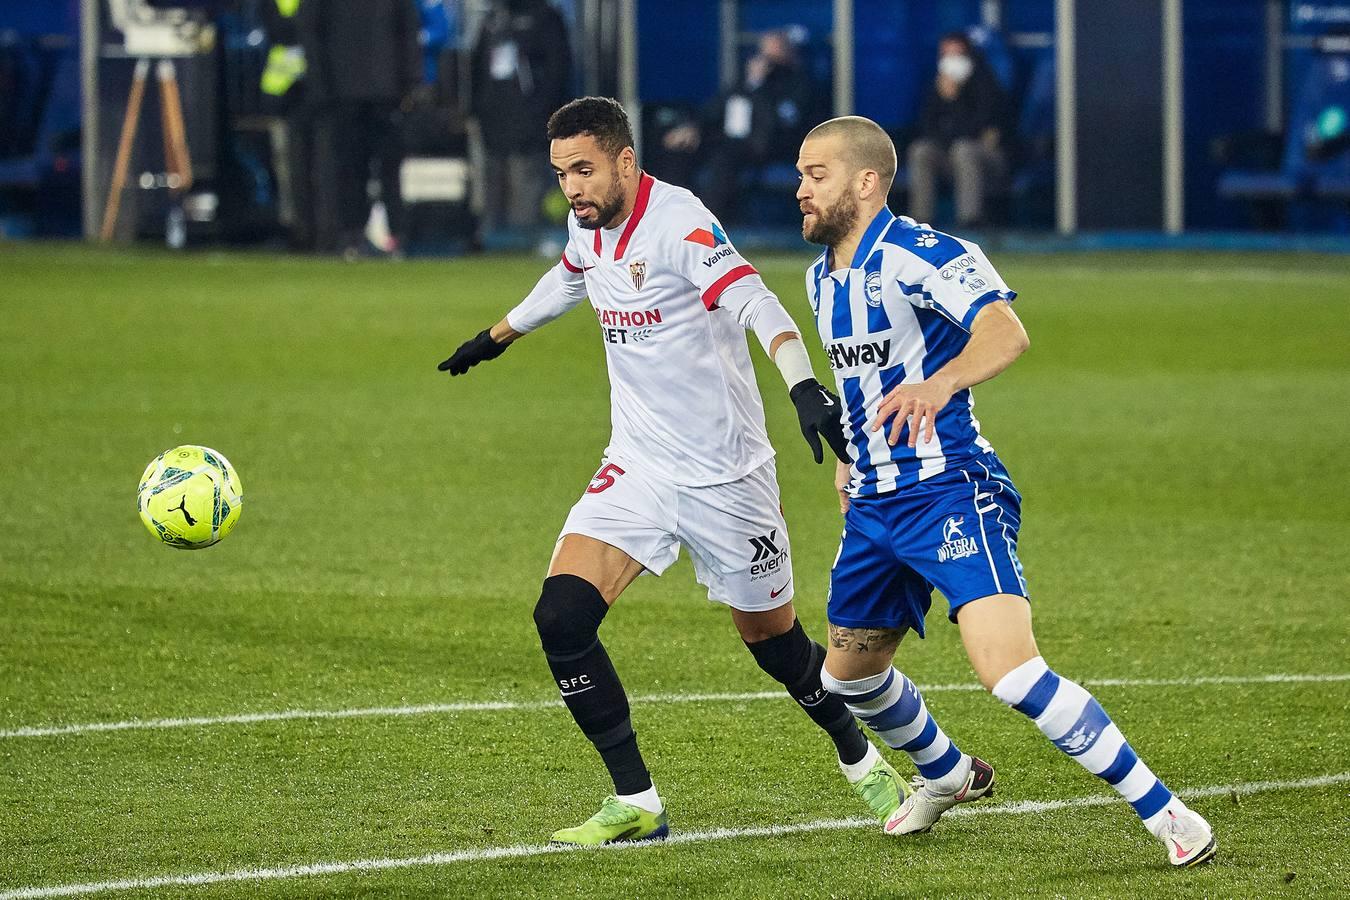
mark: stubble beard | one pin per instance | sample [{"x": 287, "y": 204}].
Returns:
[
  {"x": 833, "y": 225},
  {"x": 607, "y": 209}
]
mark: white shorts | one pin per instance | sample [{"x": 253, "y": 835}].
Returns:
[{"x": 734, "y": 532}]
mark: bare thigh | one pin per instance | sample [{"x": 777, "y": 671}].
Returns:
[{"x": 605, "y": 566}]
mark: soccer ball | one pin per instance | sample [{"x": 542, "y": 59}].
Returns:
[{"x": 190, "y": 497}]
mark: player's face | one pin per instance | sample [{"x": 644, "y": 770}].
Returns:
[
  {"x": 590, "y": 179},
  {"x": 826, "y": 193}
]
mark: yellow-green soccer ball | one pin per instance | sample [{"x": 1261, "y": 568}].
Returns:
[{"x": 190, "y": 497}]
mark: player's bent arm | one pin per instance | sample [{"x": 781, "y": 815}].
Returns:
[
  {"x": 557, "y": 292},
  {"x": 818, "y": 410},
  {"x": 997, "y": 338}
]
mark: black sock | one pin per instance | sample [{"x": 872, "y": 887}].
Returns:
[
  {"x": 568, "y": 616},
  {"x": 794, "y": 661}
]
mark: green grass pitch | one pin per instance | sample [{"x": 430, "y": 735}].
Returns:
[{"x": 1178, "y": 430}]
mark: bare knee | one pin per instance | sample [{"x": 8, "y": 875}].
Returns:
[
  {"x": 997, "y": 635},
  {"x": 856, "y": 653}
]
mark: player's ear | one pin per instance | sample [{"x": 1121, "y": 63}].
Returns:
[
  {"x": 867, "y": 184},
  {"x": 627, "y": 161}
]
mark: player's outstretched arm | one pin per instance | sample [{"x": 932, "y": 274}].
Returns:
[
  {"x": 558, "y": 291},
  {"x": 487, "y": 344},
  {"x": 996, "y": 339}
]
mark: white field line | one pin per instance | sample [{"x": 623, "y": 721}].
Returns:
[
  {"x": 286, "y": 715},
  {"x": 518, "y": 851}
]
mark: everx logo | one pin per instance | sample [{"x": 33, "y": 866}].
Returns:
[
  {"x": 955, "y": 544},
  {"x": 769, "y": 557},
  {"x": 927, "y": 239},
  {"x": 764, "y": 545}
]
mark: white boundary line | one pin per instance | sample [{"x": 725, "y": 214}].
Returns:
[
  {"x": 519, "y": 851},
  {"x": 287, "y": 715}
]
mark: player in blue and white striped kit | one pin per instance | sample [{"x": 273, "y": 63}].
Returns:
[{"x": 911, "y": 318}]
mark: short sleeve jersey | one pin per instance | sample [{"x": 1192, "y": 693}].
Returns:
[
  {"x": 684, "y": 402},
  {"x": 899, "y": 312}
]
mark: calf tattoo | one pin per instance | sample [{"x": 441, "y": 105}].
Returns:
[{"x": 864, "y": 640}]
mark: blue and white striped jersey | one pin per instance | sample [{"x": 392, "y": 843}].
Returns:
[{"x": 900, "y": 311}]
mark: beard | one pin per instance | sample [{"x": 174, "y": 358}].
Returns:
[
  {"x": 609, "y": 206},
  {"x": 832, "y": 225}
]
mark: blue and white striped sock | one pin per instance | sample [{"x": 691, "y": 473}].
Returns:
[
  {"x": 890, "y": 705},
  {"x": 1075, "y": 722}
]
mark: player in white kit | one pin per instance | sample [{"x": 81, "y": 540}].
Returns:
[{"x": 689, "y": 461}]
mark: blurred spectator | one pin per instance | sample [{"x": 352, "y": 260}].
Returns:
[
  {"x": 440, "y": 29},
  {"x": 362, "y": 63},
  {"x": 521, "y": 72},
  {"x": 962, "y": 130},
  {"x": 283, "y": 83},
  {"x": 763, "y": 119}
]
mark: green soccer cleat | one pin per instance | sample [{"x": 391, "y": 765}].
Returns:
[
  {"x": 616, "y": 822},
  {"x": 882, "y": 789}
]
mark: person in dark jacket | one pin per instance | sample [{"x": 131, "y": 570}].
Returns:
[
  {"x": 521, "y": 70},
  {"x": 962, "y": 129},
  {"x": 362, "y": 62},
  {"x": 763, "y": 119}
]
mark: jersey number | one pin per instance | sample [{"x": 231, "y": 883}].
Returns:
[{"x": 604, "y": 479}]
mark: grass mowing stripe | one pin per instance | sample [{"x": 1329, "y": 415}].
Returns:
[
  {"x": 525, "y": 705},
  {"x": 485, "y": 854}
]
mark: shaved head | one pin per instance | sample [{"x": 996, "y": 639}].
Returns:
[{"x": 862, "y": 145}]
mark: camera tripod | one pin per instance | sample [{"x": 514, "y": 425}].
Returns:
[{"x": 177, "y": 161}]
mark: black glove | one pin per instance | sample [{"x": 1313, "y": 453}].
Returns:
[
  {"x": 479, "y": 348},
  {"x": 820, "y": 415}
]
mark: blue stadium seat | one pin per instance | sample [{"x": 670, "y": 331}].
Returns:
[
  {"x": 991, "y": 45},
  {"x": 1326, "y": 85},
  {"x": 53, "y": 149},
  {"x": 1036, "y": 129}
]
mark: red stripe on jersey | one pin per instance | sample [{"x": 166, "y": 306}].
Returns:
[
  {"x": 598, "y": 249},
  {"x": 711, "y": 294},
  {"x": 576, "y": 270},
  {"x": 639, "y": 207}
]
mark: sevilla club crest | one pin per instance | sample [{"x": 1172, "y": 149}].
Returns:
[{"x": 638, "y": 272}]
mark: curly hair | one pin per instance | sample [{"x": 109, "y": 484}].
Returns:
[{"x": 600, "y": 117}]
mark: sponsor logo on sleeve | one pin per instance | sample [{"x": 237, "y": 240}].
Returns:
[
  {"x": 966, "y": 272},
  {"x": 711, "y": 237}
]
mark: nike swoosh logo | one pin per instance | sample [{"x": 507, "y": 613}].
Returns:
[
  {"x": 892, "y": 825},
  {"x": 773, "y": 595},
  {"x": 1181, "y": 854},
  {"x": 587, "y": 268},
  {"x": 574, "y": 693}
]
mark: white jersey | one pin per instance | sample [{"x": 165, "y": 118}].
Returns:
[{"x": 683, "y": 397}]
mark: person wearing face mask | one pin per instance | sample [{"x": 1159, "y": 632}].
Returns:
[
  {"x": 961, "y": 134},
  {"x": 760, "y": 120}
]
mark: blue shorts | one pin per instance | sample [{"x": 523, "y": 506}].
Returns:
[{"x": 956, "y": 531}]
